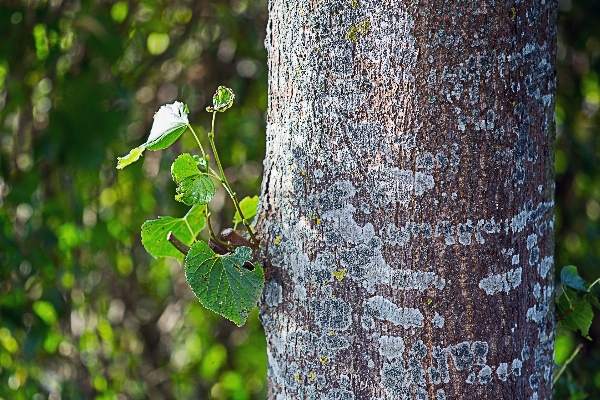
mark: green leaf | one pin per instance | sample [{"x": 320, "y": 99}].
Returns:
[
  {"x": 130, "y": 158},
  {"x": 222, "y": 99},
  {"x": 170, "y": 122},
  {"x": 154, "y": 232},
  {"x": 201, "y": 163},
  {"x": 580, "y": 318},
  {"x": 193, "y": 186},
  {"x": 593, "y": 300},
  {"x": 221, "y": 283},
  {"x": 45, "y": 310},
  {"x": 570, "y": 277},
  {"x": 248, "y": 206}
]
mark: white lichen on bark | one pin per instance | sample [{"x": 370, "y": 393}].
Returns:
[{"x": 406, "y": 214}]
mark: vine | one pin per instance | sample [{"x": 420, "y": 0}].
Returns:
[
  {"x": 222, "y": 273},
  {"x": 574, "y": 311}
]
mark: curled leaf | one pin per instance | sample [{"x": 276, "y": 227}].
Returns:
[
  {"x": 570, "y": 277},
  {"x": 222, "y": 99},
  {"x": 170, "y": 122}
]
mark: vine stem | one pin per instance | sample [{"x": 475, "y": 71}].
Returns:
[
  {"x": 596, "y": 281},
  {"x": 212, "y": 233},
  {"x": 566, "y": 314},
  {"x": 211, "y": 137},
  {"x": 212, "y": 172},
  {"x": 178, "y": 244},
  {"x": 564, "y": 366}
]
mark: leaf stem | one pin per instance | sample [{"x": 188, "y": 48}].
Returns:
[
  {"x": 564, "y": 366},
  {"x": 211, "y": 137},
  {"x": 593, "y": 283},
  {"x": 566, "y": 295},
  {"x": 197, "y": 140},
  {"x": 212, "y": 233},
  {"x": 190, "y": 228},
  {"x": 212, "y": 172}
]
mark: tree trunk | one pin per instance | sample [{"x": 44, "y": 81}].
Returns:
[{"x": 407, "y": 206}]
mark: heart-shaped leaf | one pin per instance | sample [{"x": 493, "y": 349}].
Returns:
[
  {"x": 154, "y": 232},
  {"x": 248, "y": 206},
  {"x": 193, "y": 186},
  {"x": 221, "y": 283},
  {"x": 222, "y": 99}
]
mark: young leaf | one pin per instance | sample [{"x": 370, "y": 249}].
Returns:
[
  {"x": 570, "y": 277},
  {"x": 222, "y": 99},
  {"x": 130, "y": 158},
  {"x": 154, "y": 232},
  {"x": 201, "y": 163},
  {"x": 193, "y": 187},
  {"x": 221, "y": 283},
  {"x": 170, "y": 122},
  {"x": 248, "y": 206},
  {"x": 579, "y": 317}
]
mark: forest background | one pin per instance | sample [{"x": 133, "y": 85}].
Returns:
[{"x": 85, "y": 312}]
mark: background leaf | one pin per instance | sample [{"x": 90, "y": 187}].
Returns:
[
  {"x": 64, "y": 117},
  {"x": 193, "y": 187},
  {"x": 248, "y": 206},
  {"x": 154, "y": 232},
  {"x": 221, "y": 283}
]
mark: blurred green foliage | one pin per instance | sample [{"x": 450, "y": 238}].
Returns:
[
  {"x": 578, "y": 180},
  {"x": 84, "y": 311}
]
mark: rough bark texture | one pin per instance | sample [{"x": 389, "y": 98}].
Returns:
[{"x": 407, "y": 207}]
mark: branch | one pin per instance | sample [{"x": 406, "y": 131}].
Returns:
[{"x": 178, "y": 244}]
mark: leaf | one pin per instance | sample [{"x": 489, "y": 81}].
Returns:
[
  {"x": 222, "y": 99},
  {"x": 201, "y": 163},
  {"x": 570, "y": 277},
  {"x": 248, "y": 206},
  {"x": 580, "y": 317},
  {"x": 154, "y": 232},
  {"x": 46, "y": 311},
  {"x": 170, "y": 122},
  {"x": 593, "y": 300},
  {"x": 193, "y": 187},
  {"x": 130, "y": 158},
  {"x": 221, "y": 283}
]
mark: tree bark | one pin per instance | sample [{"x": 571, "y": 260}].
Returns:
[{"x": 407, "y": 205}]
